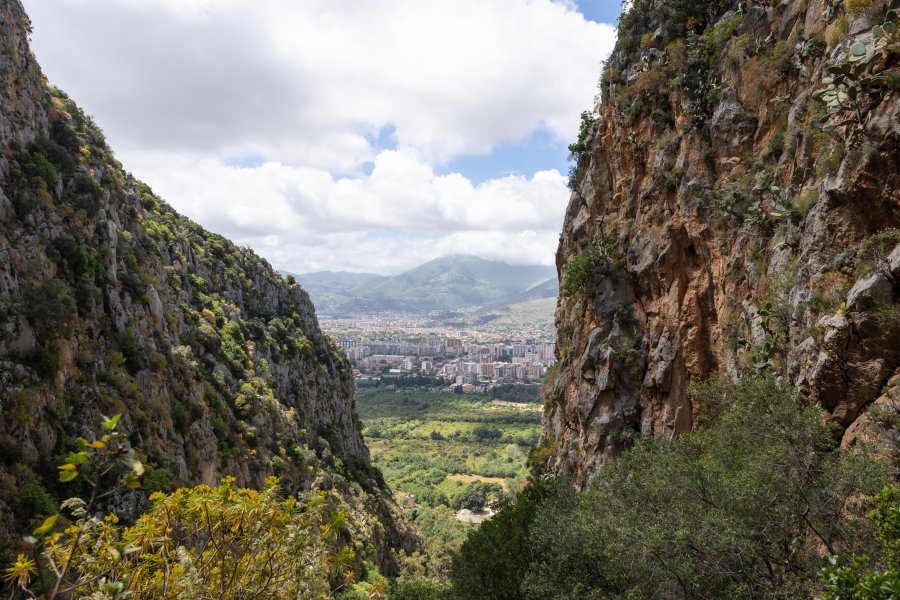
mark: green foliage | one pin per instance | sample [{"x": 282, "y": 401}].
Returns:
[
  {"x": 221, "y": 542},
  {"x": 483, "y": 433},
  {"x": 851, "y": 87},
  {"x": 714, "y": 513},
  {"x": 44, "y": 361},
  {"x": 873, "y": 253},
  {"x": 33, "y": 501},
  {"x": 38, "y": 166},
  {"x": 579, "y": 147},
  {"x": 476, "y": 495},
  {"x": 583, "y": 272},
  {"x": 494, "y": 559},
  {"x": 87, "y": 193},
  {"x": 50, "y": 307},
  {"x": 875, "y": 575},
  {"x": 159, "y": 479}
]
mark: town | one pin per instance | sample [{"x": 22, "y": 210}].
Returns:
[{"x": 467, "y": 365}]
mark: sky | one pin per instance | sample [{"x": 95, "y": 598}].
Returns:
[{"x": 343, "y": 135}]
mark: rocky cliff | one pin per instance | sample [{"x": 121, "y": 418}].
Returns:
[
  {"x": 111, "y": 302},
  {"x": 734, "y": 210}
]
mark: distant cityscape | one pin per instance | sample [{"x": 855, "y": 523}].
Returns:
[{"x": 468, "y": 365}]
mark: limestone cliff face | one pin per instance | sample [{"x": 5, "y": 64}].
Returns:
[
  {"x": 111, "y": 302},
  {"x": 720, "y": 231}
]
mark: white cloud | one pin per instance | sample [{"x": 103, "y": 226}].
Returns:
[
  {"x": 397, "y": 217},
  {"x": 185, "y": 87}
]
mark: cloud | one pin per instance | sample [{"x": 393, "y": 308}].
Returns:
[
  {"x": 397, "y": 217},
  {"x": 222, "y": 77},
  {"x": 302, "y": 93}
]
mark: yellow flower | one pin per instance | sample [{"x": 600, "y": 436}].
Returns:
[{"x": 20, "y": 572}]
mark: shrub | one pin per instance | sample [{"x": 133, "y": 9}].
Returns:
[
  {"x": 87, "y": 193},
  {"x": 50, "y": 307},
  {"x": 583, "y": 272},
  {"x": 45, "y": 363},
  {"x": 836, "y": 32},
  {"x": 37, "y": 165},
  {"x": 31, "y": 501},
  {"x": 718, "y": 510},
  {"x": 805, "y": 201},
  {"x": 580, "y": 146},
  {"x": 870, "y": 9},
  {"x": 483, "y": 433},
  {"x": 494, "y": 558},
  {"x": 873, "y": 253},
  {"x": 875, "y": 575}
]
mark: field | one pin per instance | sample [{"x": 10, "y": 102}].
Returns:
[{"x": 441, "y": 452}]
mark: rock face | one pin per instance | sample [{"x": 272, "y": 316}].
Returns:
[
  {"x": 111, "y": 302},
  {"x": 721, "y": 232}
]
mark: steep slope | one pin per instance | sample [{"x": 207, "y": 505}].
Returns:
[
  {"x": 330, "y": 289},
  {"x": 446, "y": 283},
  {"x": 719, "y": 225},
  {"x": 542, "y": 291},
  {"x": 111, "y": 302}
]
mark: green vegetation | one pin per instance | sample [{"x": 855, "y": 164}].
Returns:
[
  {"x": 875, "y": 575},
  {"x": 583, "y": 272},
  {"x": 221, "y": 541},
  {"x": 737, "y": 509},
  {"x": 851, "y": 87},
  {"x": 873, "y": 253},
  {"x": 578, "y": 148},
  {"x": 441, "y": 452}
]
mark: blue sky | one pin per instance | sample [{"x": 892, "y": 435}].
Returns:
[
  {"x": 345, "y": 136},
  {"x": 601, "y": 11}
]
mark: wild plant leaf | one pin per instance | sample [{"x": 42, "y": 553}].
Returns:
[
  {"x": 110, "y": 423},
  {"x": 46, "y": 527},
  {"x": 66, "y": 476}
]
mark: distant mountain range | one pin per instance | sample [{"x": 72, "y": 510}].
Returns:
[{"x": 448, "y": 283}]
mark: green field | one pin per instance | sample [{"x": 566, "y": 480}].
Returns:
[{"x": 440, "y": 452}]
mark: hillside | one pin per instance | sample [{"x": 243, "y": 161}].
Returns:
[
  {"x": 113, "y": 303},
  {"x": 720, "y": 226},
  {"x": 724, "y": 419},
  {"x": 446, "y": 283},
  {"x": 330, "y": 289}
]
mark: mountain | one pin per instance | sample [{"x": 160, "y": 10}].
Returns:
[
  {"x": 728, "y": 329},
  {"x": 113, "y": 303},
  {"x": 715, "y": 230},
  {"x": 330, "y": 289},
  {"x": 542, "y": 291},
  {"x": 446, "y": 283}
]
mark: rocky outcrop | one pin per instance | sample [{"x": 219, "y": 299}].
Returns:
[
  {"x": 723, "y": 233},
  {"x": 111, "y": 302}
]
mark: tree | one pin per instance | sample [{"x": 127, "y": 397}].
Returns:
[
  {"x": 494, "y": 559},
  {"x": 223, "y": 541}
]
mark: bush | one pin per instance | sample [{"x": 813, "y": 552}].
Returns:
[
  {"x": 45, "y": 363},
  {"x": 494, "y": 558},
  {"x": 87, "y": 193},
  {"x": 484, "y": 433},
  {"x": 718, "y": 510},
  {"x": 32, "y": 501},
  {"x": 873, "y": 253},
  {"x": 50, "y": 307},
  {"x": 876, "y": 575},
  {"x": 583, "y": 272}
]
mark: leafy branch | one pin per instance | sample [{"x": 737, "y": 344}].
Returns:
[{"x": 849, "y": 84}]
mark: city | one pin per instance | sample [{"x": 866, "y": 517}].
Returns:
[{"x": 473, "y": 367}]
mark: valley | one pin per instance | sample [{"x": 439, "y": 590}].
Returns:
[{"x": 444, "y": 453}]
